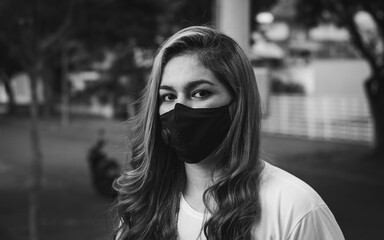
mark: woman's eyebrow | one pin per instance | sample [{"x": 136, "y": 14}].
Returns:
[
  {"x": 189, "y": 85},
  {"x": 193, "y": 84},
  {"x": 166, "y": 87}
]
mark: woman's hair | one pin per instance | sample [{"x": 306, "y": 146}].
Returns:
[{"x": 149, "y": 189}]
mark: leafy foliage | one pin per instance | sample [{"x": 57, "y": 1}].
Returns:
[
  {"x": 343, "y": 13},
  {"x": 45, "y": 26}
]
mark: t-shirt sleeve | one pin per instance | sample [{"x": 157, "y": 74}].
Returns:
[{"x": 318, "y": 224}]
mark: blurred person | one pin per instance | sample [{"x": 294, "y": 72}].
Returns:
[
  {"x": 195, "y": 170},
  {"x": 104, "y": 170}
]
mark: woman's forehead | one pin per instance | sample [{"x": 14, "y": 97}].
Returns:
[{"x": 185, "y": 68}]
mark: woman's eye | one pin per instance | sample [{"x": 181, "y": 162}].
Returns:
[
  {"x": 201, "y": 94},
  {"x": 167, "y": 97}
]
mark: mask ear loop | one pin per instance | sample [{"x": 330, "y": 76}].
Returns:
[
  {"x": 232, "y": 111},
  {"x": 232, "y": 107}
]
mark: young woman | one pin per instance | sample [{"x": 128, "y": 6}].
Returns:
[{"x": 195, "y": 170}]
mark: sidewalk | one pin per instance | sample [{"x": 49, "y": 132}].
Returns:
[{"x": 343, "y": 174}]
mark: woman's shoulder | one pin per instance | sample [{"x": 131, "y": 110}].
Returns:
[
  {"x": 287, "y": 202},
  {"x": 277, "y": 183}
]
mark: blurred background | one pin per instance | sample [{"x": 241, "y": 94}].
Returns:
[{"x": 72, "y": 70}]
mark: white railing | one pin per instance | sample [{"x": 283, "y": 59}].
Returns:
[{"x": 319, "y": 117}]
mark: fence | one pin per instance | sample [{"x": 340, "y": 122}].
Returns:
[{"x": 318, "y": 117}]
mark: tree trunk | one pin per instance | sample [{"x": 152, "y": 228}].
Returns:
[
  {"x": 48, "y": 101},
  {"x": 36, "y": 166},
  {"x": 375, "y": 93},
  {"x": 65, "y": 110},
  {"x": 9, "y": 92}
]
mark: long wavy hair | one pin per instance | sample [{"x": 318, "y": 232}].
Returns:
[{"x": 150, "y": 186}]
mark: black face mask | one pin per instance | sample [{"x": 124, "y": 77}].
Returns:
[{"x": 195, "y": 133}]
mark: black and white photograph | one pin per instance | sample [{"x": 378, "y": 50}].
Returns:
[{"x": 191, "y": 119}]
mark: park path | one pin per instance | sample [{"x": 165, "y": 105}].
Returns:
[{"x": 344, "y": 175}]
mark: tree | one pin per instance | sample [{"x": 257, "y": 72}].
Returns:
[
  {"x": 370, "y": 43},
  {"x": 20, "y": 23}
]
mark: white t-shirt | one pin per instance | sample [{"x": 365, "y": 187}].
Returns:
[{"x": 290, "y": 210}]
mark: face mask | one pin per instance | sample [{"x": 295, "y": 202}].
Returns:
[{"x": 195, "y": 133}]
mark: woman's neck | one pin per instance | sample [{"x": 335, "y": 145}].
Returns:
[{"x": 198, "y": 179}]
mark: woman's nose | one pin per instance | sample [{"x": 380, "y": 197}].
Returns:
[{"x": 184, "y": 101}]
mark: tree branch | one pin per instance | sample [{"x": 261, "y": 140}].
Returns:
[
  {"x": 58, "y": 35},
  {"x": 348, "y": 19},
  {"x": 379, "y": 20}
]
